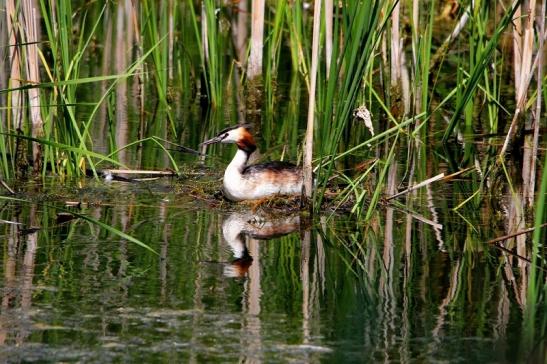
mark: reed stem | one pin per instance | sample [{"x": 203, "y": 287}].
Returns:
[
  {"x": 16, "y": 103},
  {"x": 530, "y": 178},
  {"x": 328, "y": 35},
  {"x": 308, "y": 143},
  {"x": 254, "y": 65},
  {"x": 31, "y": 17}
]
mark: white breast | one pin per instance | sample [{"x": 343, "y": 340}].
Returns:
[{"x": 239, "y": 187}]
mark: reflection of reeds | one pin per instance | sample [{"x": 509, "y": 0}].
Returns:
[{"x": 451, "y": 66}]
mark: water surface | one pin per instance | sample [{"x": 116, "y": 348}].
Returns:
[{"x": 230, "y": 284}]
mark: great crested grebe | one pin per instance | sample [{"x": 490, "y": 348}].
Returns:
[
  {"x": 239, "y": 226},
  {"x": 243, "y": 182}
]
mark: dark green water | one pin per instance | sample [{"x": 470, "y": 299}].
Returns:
[{"x": 404, "y": 288}]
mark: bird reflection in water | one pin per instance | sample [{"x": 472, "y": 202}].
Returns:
[{"x": 240, "y": 225}]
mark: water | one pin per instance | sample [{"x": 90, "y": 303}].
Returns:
[
  {"x": 229, "y": 284},
  {"x": 418, "y": 282}
]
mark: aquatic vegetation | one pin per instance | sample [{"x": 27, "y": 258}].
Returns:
[{"x": 387, "y": 102}]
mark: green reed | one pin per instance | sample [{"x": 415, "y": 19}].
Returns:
[
  {"x": 362, "y": 26},
  {"x": 479, "y": 65},
  {"x": 273, "y": 48},
  {"x": 7, "y": 163},
  {"x": 63, "y": 125},
  {"x": 186, "y": 57},
  {"x": 355, "y": 75},
  {"x": 535, "y": 323},
  {"x": 66, "y": 142},
  {"x": 299, "y": 38},
  {"x": 212, "y": 42},
  {"x": 155, "y": 21}
]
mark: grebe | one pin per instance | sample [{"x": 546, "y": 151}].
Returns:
[
  {"x": 240, "y": 225},
  {"x": 243, "y": 182}
]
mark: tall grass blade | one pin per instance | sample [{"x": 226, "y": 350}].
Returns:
[{"x": 480, "y": 67}]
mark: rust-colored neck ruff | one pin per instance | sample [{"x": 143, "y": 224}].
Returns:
[{"x": 246, "y": 142}]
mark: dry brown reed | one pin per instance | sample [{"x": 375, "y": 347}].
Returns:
[
  {"x": 308, "y": 143},
  {"x": 254, "y": 66}
]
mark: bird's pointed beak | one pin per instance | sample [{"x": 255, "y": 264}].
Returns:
[{"x": 214, "y": 140}]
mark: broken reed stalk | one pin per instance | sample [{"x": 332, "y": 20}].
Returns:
[
  {"x": 416, "y": 186},
  {"x": 139, "y": 171},
  {"x": 7, "y": 187},
  {"x": 31, "y": 29},
  {"x": 254, "y": 66},
  {"x": 308, "y": 143},
  {"x": 512, "y": 253},
  {"x": 429, "y": 181}
]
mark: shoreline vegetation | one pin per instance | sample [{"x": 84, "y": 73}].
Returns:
[
  {"x": 377, "y": 99},
  {"x": 410, "y": 71}
]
